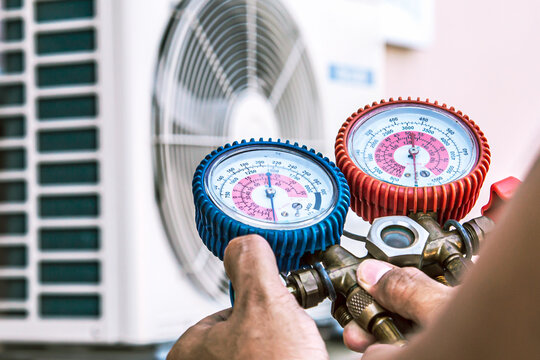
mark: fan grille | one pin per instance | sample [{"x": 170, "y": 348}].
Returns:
[{"x": 212, "y": 55}]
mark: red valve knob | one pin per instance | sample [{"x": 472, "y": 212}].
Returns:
[
  {"x": 374, "y": 196},
  {"x": 500, "y": 192}
]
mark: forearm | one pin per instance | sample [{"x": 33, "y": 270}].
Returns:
[{"x": 494, "y": 314}]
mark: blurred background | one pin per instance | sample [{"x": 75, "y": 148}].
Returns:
[{"x": 107, "y": 107}]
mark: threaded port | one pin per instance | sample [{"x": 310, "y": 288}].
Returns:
[{"x": 342, "y": 315}]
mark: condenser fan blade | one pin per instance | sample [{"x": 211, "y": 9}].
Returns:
[{"x": 226, "y": 70}]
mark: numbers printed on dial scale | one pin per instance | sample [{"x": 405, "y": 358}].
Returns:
[
  {"x": 270, "y": 187},
  {"x": 413, "y": 145}
]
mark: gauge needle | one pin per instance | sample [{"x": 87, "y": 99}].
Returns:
[
  {"x": 413, "y": 151},
  {"x": 270, "y": 192}
]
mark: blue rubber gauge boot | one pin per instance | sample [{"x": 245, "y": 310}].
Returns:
[{"x": 293, "y": 197}]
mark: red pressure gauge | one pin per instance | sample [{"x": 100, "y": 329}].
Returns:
[{"x": 402, "y": 156}]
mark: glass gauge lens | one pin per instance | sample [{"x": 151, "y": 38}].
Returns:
[
  {"x": 270, "y": 187},
  {"x": 413, "y": 145}
]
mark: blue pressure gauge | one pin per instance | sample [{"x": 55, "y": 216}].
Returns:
[{"x": 293, "y": 197}]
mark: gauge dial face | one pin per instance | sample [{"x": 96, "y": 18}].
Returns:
[
  {"x": 412, "y": 145},
  {"x": 271, "y": 187}
]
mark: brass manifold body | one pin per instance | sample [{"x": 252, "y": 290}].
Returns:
[{"x": 417, "y": 240}]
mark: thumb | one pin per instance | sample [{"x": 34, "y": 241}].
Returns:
[
  {"x": 381, "y": 352},
  {"x": 251, "y": 266},
  {"x": 406, "y": 291}
]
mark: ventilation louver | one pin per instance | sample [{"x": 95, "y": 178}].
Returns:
[{"x": 50, "y": 195}]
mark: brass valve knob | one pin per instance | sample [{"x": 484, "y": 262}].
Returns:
[
  {"x": 372, "y": 317},
  {"x": 313, "y": 285}
]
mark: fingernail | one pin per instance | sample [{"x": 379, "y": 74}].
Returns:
[{"x": 370, "y": 272}]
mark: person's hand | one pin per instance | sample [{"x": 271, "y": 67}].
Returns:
[
  {"x": 404, "y": 291},
  {"x": 266, "y": 321}
]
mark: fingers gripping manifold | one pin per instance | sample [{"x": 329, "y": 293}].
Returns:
[
  {"x": 417, "y": 241},
  {"x": 334, "y": 276}
]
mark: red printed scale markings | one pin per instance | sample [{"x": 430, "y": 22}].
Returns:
[
  {"x": 385, "y": 151},
  {"x": 243, "y": 190}
]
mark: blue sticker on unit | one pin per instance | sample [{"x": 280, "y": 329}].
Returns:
[{"x": 350, "y": 74}]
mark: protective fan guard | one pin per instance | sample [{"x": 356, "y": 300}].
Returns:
[{"x": 212, "y": 53}]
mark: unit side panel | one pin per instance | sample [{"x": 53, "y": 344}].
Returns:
[{"x": 53, "y": 284}]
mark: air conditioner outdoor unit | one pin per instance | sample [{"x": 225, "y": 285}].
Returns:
[{"x": 106, "y": 108}]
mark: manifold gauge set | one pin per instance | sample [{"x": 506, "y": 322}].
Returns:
[{"x": 411, "y": 168}]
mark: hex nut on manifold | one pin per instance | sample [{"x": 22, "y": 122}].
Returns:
[
  {"x": 398, "y": 240},
  {"x": 478, "y": 228},
  {"x": 310, "y": 287}
]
